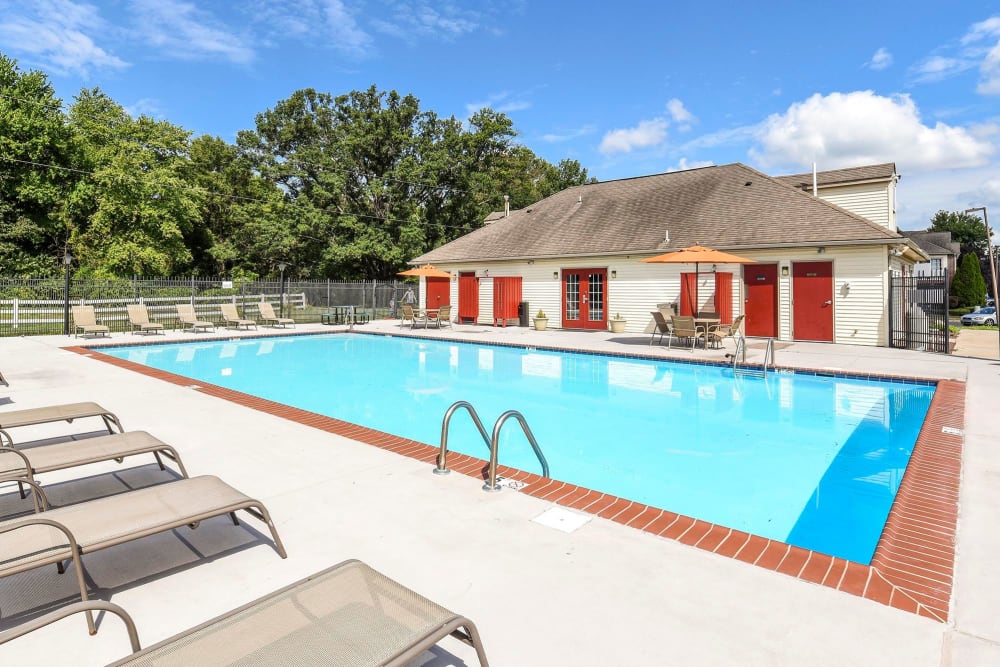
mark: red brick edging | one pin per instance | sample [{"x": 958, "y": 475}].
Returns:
[{"x": 913, "y": 565}]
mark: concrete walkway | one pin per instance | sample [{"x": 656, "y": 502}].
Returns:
[
  {"x": 604, "y": 594},
  {"x": 979, "y": 343}
]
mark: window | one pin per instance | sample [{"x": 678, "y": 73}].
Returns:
[{"x": 936, "y": 264}]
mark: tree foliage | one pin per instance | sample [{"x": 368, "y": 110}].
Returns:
[
  {"x": 346, "y": 186},
  {"x": 968, "y": 287}
]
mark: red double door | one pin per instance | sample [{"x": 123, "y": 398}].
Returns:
[{"x": 585, "y": 298}]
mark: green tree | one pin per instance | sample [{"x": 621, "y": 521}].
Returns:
[
  {"x": 968, "y": 287},
  {"x": 137, "y": 210},
  {"x": 966, "y": 229},
  {"x": 36, "y": 147}
]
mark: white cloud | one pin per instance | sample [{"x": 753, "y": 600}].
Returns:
[
  {"x": 329, "y": 23},
  {"x": 567, "y": 135},
  {"x": 420, "y": 19},
  {"x": 647, "y": 133},
  {"x": 147, "y": 106},
  {"x": 938, "y": 68},
  {"x": 504, "y": 102},
  {"x": 683, "y": 164},
  {"x": 54, "y": 33},
  {"x": 989, "y": 69},
  {"x": 920, "y": 196},
  {"x": 881, "y": 60},
  {"x": 680, "y": 114},
  {"x": 182, "y": 30},
  {"x": 849, "y": 129}
]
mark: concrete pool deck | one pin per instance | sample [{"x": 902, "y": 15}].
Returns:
[{"x": 603, "y": 594}]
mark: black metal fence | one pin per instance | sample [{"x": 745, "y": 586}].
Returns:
[
  {"x": 38, "y": 306},
  {"x": 918, "y": 312}
]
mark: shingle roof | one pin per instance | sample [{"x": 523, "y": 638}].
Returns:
[
  {"x": 872, "y": 172},
  {"x": 935, "y": 243},
  {"x": 727, "y": 206}
]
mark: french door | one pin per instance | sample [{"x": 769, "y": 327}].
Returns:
[{"x": 585, "y": 298}]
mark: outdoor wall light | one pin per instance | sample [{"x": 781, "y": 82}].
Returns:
[
  {"x": 820, "y": 250},
  {"x": 784, "y": 271},
  {"x": 555, "y": 275},
  {"x": 614, "y": 273}
]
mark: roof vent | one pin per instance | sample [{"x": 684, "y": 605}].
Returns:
[
  {"x": 666, "y": 236},
  {"x": 579, "y": 199},
  {"x": 506, "y": 206},
  {"x": 748, "y": 183}
]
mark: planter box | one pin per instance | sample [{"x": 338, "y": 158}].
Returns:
[
  {"x": 541, "y": 323},
  {"x": 617, "y": 326}
]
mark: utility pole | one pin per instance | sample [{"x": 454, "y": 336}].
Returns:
[{"x": 993, "y": 271}]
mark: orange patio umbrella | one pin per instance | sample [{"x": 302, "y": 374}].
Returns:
[
  {"x": 427, "y": 271},
  {"x": 696, "y": 255}
]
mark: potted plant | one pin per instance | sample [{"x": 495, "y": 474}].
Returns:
[
  {"x": 617, "y": 323},
  {"x": 541, "y": 321}
]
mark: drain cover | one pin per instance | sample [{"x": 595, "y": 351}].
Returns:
[{"x": 562, "y": 519}]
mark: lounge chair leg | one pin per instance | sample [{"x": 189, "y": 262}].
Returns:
[
  {"x": 59, "y": 568},
  {"x": 20, "y": 490},
  {"x": 159, "y": 461},
  {"x": 236, "y": 521}
]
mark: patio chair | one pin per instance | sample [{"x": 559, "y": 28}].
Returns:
[
  {"x": 717, "y": 334},
  {"x": 85, "y": 320},
  {"x": 413, "y": 316},
  {"x": 54, "y": 413},
  {"x": 267, "y": 315},
  {"x": 347, "y": 615},
  {"x": 441, "y": 318},
  {"x": 77, "y": 530},
  {"x": 661, "y": 327},
  {"x": 685, "y": 328},
  {"x": 24, "y": 464},
  {"x": 232, "y": 317},
  {"x": 189, "y": 321},
  {"x": 3, "y": 380},
  {"x": 138, "y": 317}
]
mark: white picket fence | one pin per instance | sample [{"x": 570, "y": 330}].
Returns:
[{"x": 33, "y": 313}]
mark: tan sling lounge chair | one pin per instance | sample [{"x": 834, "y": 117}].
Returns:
[
  {"x": 3, "y": 380},
  {"x": 232, "y": 317},
  {"x": 684, "y": 327},
  {"x": 718, "y": 333},
  {"x": 348, "y": 615},
  {"x": 441, "y": 318},
  {"x": 77, "y": 530},
  {"x": 267, "y": 315},
  {"x": 661, "y": 327},
  {"x": 189, "y": 321},
  {"x": 85, "y": 321},
  {"x": 26, "y": 463},
  {"x": 412, "y": 315},
  {"x": 54, "y": 413},
  {"x": 138, "y": 317}
]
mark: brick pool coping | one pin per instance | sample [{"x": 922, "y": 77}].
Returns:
[{"x": 913, "y": 565}]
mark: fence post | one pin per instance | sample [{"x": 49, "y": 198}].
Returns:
[
  {"x": 192, "y": 291},
  {"x": 16, "y": 311},
  {"x": 67, "y": 260}
]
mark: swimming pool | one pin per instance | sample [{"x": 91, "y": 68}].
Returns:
[{"x": 810, "y": 460}]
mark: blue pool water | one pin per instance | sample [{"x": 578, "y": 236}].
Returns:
[{"x": 810, "y": 460}]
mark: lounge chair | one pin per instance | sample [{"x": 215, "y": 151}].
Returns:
[
  {"x": 85, "y": 321},
  {"x": 54, "y": 413},
  {"x": 685, "y": 328},
  {"x": 232, "y": 317},
  {"x": 661, "y": 327},
  {"x": 3, "y": 380},
  {"x": 441, "y": 318},
  {"x": 347, "y": 615},
  {"x": 138, "y": 317},
  {"x": 717, "y": 334},
  {"x": 267, "y": 315},
  {"x": 80, "y": 529},
  {"x": 189, "y": 321},
  {"x": 16, "y": 464}
]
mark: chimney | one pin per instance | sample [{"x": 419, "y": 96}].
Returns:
[{"x": 506, "y": 206}]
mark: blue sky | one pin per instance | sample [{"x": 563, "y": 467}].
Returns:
[{"x": 627, "y": 88}]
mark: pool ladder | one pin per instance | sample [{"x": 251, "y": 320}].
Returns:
[
  {"x": 740, "y": 357},
  {"x": 492, "y": 442}
]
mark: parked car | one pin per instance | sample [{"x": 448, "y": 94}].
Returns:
[{"x": 987, "y": 316}]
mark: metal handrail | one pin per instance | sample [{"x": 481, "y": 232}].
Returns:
[
  {"x": 768, "y": 355},
  {"x": 740, "y": 354},
  {"x": 442, "y": 457},
  {"x": 491, "y": 483}
]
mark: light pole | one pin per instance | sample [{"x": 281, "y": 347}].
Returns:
[
  {"x": 67, "y": 262},
  {"x": 281, "y": 267},
  {"x": 989, "y": 252}
]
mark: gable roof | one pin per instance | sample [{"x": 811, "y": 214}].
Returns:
[
  {"x": 935, "y": 243},
  {"x": 725, "y": 207},
  {"x": 872, "y": 172}
]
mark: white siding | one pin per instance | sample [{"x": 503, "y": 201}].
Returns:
[
  {"x": 859, "y": 277},
  {"x": 869, "y": 200}
]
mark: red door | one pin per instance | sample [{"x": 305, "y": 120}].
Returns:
[
  {"x": 438, "y": 292},
  {"x": 468, "y": 297},
  {"x": 761, "y": 307},
  {"x": 812, "y": 301},
  {"x": 585, "y": 299}
]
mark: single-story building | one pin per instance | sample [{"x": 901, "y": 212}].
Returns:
[{"x": 821, "y": 271}]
